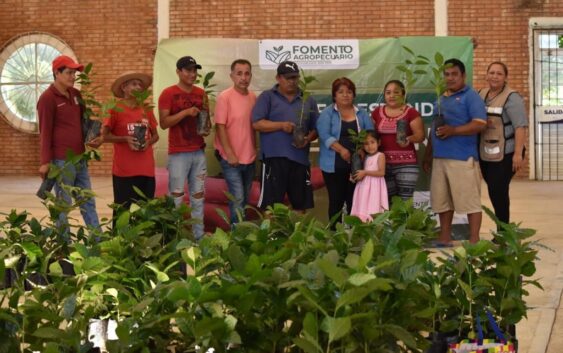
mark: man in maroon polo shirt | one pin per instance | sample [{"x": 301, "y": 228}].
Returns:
[{"x": 60, "y": 130}]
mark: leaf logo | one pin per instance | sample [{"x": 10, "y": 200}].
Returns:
[
  {"x": 286, "y": 55},
  {"x": 277, "y": 56},
  {"x": 270, "y": 55}
]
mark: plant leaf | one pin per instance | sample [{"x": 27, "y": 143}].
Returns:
[
  {"x": 439, "y": 59},
  {"x": 306, "y": 345},
  {"x": 466, "y": 289},
  {"x": 402, "y": 335},
  {"x": 409, "y": 50},
  {"x": 352, "y": 296},
  {"x": 160, "y": 276},
  {"x": 332, "y": 271},
  {"x": 49, "y": 332},
  {"x": 359, "y": 279},
  {"x": 32, "y": 251},
  {"x": 366, "y": 255},
  {"x": 338, "y": 327}
]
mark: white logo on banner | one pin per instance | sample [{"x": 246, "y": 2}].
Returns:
[{"x": 310, "y": 54}]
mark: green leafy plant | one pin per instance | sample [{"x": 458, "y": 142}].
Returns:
[
  {"x": 143, "y": 101},
  {"x": 94, "y": 110},
  {"x": 204, "y": 116},
  {"x": 285, "y": 283},
  {"x": 486, "y": 276},
  {"x": 357, "y": 138},
  {"x": 438, "y": 80},
  {"x": 416, "y": 66},
  {"x": 413, "y": 68},
  {"x": 207, "y": 85},
  {"x": 304, "y": 82}
]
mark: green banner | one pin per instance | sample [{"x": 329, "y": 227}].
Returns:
[
  {"x": 378, "y": 61},
  {"x": 370, "y": 63}
]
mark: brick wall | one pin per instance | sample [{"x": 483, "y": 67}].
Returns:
[
  {"x": 119, "y": 36},
  {"x": 500, "y": 29},
  {"x": 315, "y": 19},
  {"x": 114, "y": 35}
]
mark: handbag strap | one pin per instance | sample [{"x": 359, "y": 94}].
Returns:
[{"x": 492, "y": 324}]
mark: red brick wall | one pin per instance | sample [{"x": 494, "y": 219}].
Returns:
[
  {"x": 500, "y": 29},
  {"x": 119, "y": 36},
  {"x": 114, "y": 35},
  {"x": 316, "y": 19}
]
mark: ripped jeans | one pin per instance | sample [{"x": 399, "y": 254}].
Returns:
[{"x": 193, "y": 167}]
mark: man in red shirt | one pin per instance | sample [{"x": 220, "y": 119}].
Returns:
[
  {"x": 178, "y": 108},
  {"x": 60, "y": 130}
]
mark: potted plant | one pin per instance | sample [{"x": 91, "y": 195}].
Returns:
[
  {"x": 204, "y": 116},
  {"x": 301, "y": 130},
  {"x": 439, "y": 83},
  {"x": 142, "y": 101},
  {"x": 412, "y": 69},
  {"x": 416, "y": 66},
  {"x": 480, "y": 278},
  {"x": 356, "y": 160},
  {"x": 281, "y": 284},
  {"x": 94, "y": 110}
]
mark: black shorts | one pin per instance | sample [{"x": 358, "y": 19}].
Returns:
[{"x": 281, "y": 176}]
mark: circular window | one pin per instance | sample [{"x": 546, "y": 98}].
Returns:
[{"x": 25, "y": 72}]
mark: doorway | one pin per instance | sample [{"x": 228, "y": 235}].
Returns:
[{"x": 547, "y": 99}]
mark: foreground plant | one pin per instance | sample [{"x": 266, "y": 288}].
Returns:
[
  {"x": 285, "y": 283},
  {"x": 486, "y": 276}
]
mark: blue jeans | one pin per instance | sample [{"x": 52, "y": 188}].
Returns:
[
  {"x": 239, "y": 182},
  {"x": 76, "y": 176},
  {"x": 190, "y": 165}
]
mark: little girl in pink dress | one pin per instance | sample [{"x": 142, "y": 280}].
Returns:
[{"x": 370, "y": 195}]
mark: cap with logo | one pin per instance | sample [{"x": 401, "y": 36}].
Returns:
[
  {"x": 187, "y": 62},
  {"x": 288, "y": 68},
  {"x": 66, "y": 61}
]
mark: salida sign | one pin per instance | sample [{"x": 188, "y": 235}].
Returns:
[
  {"x": 310, "y": 54},
  {"x": 553, "y": 114}
]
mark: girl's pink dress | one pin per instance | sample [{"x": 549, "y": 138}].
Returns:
[{"x": 370, "y": 195}]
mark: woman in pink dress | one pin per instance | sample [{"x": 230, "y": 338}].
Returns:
[{"x": 370, "y": 195}]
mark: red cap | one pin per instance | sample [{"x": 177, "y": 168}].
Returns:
[{"x": 66, "y": 61}]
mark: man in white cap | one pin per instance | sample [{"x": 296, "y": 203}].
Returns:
[{"x": 60, "y": 130}]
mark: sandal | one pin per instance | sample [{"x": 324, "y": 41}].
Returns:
[{"x": 440, "y": 244}]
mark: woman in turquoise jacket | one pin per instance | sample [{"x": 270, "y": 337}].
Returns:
[{"x": 336, "y": 146}]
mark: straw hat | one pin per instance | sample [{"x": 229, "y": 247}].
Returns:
[{"x": 116, "y": 86}]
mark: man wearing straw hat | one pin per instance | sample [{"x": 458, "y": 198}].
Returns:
[{"x": 132, "y": 128}]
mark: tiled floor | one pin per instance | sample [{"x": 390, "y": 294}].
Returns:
[{"x": 537, "y": 205}]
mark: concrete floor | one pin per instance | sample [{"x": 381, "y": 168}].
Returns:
[{"x": 536, "y": 204}]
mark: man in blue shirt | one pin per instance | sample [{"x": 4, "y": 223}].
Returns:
[
  {"x": 456, "y": 180},
  {"x": 278, "y": 113}
]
